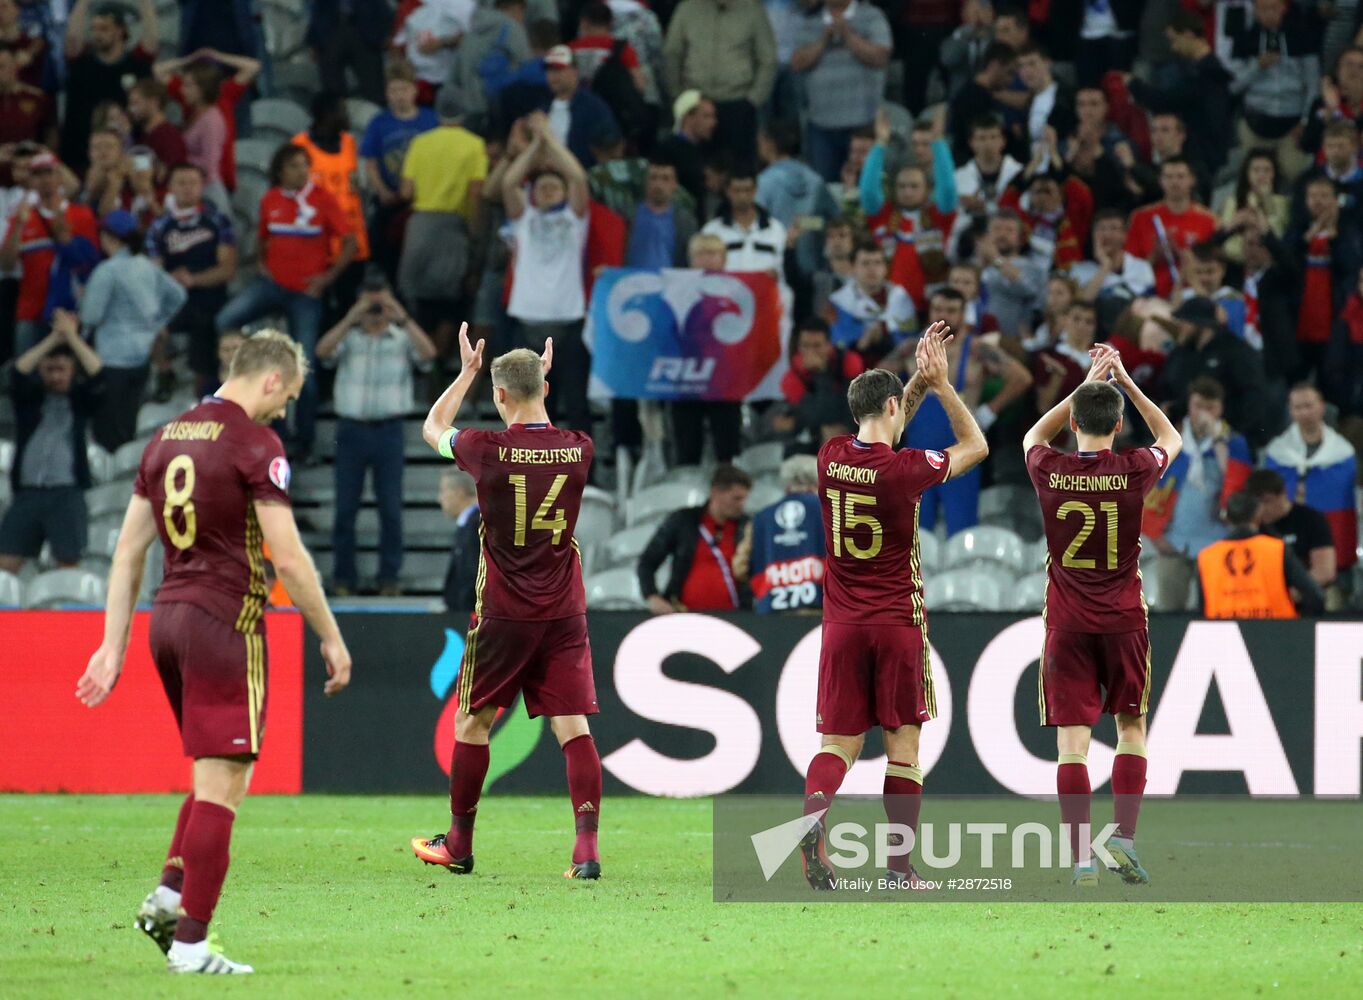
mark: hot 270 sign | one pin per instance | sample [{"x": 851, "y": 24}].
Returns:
[{"x": 703, "y": 704}]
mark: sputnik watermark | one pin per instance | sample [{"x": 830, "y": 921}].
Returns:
[{"x": 852, "y": 845}]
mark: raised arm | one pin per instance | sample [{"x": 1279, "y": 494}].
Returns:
[
  {"x": 562, "y": 157},
  {"x": 1167, "y": 437},
  {"x": 75, "y": 28},
  {"x": 440, "y": 420},
  {"x": 1016, "y": 381},
  {"x": 295, "y": 567},
  {"x": 66, "y": 325},
  {"x": 970, "y": 448},
  {"x": 1053, "y": 421},
  {"x": 151, "y": 27},
  {"x": 246, "y": 69},
  {"x": 125, "y": 580},
  {"x": 513, "y": 198},
  {"x": 164, "y": 69}
]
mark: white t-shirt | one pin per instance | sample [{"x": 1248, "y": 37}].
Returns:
[
  {"x": 441, "y": 18},
  {"x": 547, "y": 282},
  {"x": 1135, "y": 279},
  {"x": 560, "y": 120}
]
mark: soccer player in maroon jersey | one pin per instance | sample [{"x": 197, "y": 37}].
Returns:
[
  {"x": 1096, "y": 656},
  {"x": 529, "y": 628},
  {"x": 874, "y": 664},
  {"x": 213, "y": 484}
]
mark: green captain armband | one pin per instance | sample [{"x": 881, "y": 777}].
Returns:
[{"x": 446, "y": 445}]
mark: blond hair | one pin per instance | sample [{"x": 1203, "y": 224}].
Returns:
[
  {"x": 269, "y": 350},
  {"x": 520, "y": 373},
  {"x": 704, "y": 241}
]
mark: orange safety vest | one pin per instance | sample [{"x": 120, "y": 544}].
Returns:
[
  {"x": 333, "y": 172},
  {"x": 1243, "y": 578}
]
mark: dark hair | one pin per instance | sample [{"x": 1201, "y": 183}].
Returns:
[
  {"x": 1015, "y": 12},
  {"x": 60, "y": 351},
  {"x": 741, "y": 171},
  {"x": 948, "y": 293},
  {"x": 1242, "y": 181},
  {"x": 814, "y": 324},
  {"x": 867, "y": 245},
  {"x": 185, "y": 165},
  {"x": 1265, "y": 483},
  {"x": 1103, "y": 214},
  {"x": 596, "y": 13},
  {"x": 1186, "y": 22},
  {"x": 542, "y": 33},
  {"x": 281, "y": 158},
  {"x": 153, "y": 90},
  {"x": 1207, "y": 388},
  {"x": 727, "y": 476},
  {"x": 660, "y": 159},
  {"x": 1241, "y": 508},
  {"x": 133, "y": 240},
  {"x": 984, "y": 123},
  {"x": 114, "y": 13},
  {"x": 1033, "y": 48},
  {"x": 1179, "y": 161},
  {"x": 1083, "y": 304},
  {"x": 868, "y": 392},
  {"x": 1305, "y": 386},
  {"x": 1342, "y": 126},
  {"x": 1209, "y": 252},
  {"x": 995, "y": 52},
  {"x": 207, "y": 78},
  {"x": 784, "y": 135},
  {"x": 1096, "y": 408}
]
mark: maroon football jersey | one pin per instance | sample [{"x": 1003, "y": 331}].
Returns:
[
  {"x": 869, "y": 495},
  {"x": 1091, "y": 504},
  {"x": 530, "y": 481},
  {"x": 203, "y": 472}
]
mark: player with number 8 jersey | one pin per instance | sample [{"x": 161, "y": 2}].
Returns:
[
  {"x": 528, "y": 635},
  {"x": 874, "y": 664}
]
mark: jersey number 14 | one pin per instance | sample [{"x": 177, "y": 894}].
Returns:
[{"x": 546, "y": 518}]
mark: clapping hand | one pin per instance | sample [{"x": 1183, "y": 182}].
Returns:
[
  {"x": 931, "y": 356},
  {"x": 470, "y": 356}
]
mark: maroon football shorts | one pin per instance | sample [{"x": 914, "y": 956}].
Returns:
[
  {"x": 874, "y": 675},
  {"x": 214, "y": 677},
  {"x": 549, "y": 661},
  {"x": 1088, "y": 674}
]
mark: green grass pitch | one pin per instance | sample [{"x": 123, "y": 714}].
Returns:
[{"x": 325, "y": 900}]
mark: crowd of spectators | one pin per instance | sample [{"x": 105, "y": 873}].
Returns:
[{"x": 1179, "y": 178}]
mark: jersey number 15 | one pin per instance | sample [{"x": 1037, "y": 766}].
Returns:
[{"x": 846, "y": 518}]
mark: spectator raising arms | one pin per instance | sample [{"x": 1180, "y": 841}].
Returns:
[
  {"x": 52, "y": 406},
  {"x": 550, "y": 232},
  {"x": 305, "y": 244},
  {"x": 101, "y": 67},
  {"x": 230, "y": 88},
  {"x": 53, "y": 243}
]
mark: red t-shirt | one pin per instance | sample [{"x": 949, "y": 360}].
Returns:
[
  {"x": 906, "y": 235},
  {"x": 297, "y": 232},
  {"x": 36, "y": 254},
  {"x": 25, "y": 115},
  {"x": 590, "y": 52},
  {"x": 530, "y": 480},
  {"x": 707, "y": 586},
  {"x": 1182, "y": 229},
  {"x": 229, "y": 92},
  {"x": 168, "y": 144},
  {"x": 203, "y": 473},
  {"x": 870, "y": 494},
  {"x": 1315, "y": 317}
]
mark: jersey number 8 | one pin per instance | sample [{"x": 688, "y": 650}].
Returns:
[
  {"x": 178, "y": 498},
  {"x": 846, "y": 518}
]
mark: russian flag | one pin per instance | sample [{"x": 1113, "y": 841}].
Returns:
[{"x": 1330, "y": 475}]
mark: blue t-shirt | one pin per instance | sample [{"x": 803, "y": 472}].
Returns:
[
  {"x": 652, "y": 239},
  {"x": 386, "y": 139}
]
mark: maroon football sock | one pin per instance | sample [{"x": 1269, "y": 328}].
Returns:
[
  {"x": 584, "y": 788},
  {"x": 208, "y": 834},
  {"x": 468, "y": 768},
  {"x": 1128, "y": 784},
  {"x": 1072, "y": 784},
  {"x": 825, "y": 774},
  {"x": 903, "y": 799},
  {"x": 173, "y": 874}
]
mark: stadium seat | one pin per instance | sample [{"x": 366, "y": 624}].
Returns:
[
  {"x": 1150, "y": 587},
  {"x": 6, "y": 457},
  {"x": 929, "y": 550},
  {"x": 64, "y": 586},
  {"x": 246, "y": 199},
  {"x": 624, "y": 547},
  {"x": 963, "y": 590},
  {"x": 254, "y": 155},
  {"x": 128, "y": 457},
  {"x": 656, "y": 502},
  {"x": 101, "y": 463},
  {"x": 11, "y": 590},
  {"x": 102, "y": 538},
  {"x": 1011, "y": 506},
  {"x": 761, "y": 459},
  {"x": 1148, "y": 552},
  {"x": 765, "y": 492},
  {"x": 273, "y": 118},
  {"x": 986, "y": 543},
  {"x": 595, "y": 523},
  {"x": 360, "y": 112},
  {"x": 691, "y": 475},
  {"x": 1029, "y": 592},
  {"x": 108, "y": 498},
  {"x": 614, "y": 590},
  {"x": 152, "y": 416},
  {"x": 901, "y": 118},
  {"x": 296, "y": 80}
]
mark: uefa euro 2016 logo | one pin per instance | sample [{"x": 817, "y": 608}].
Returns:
[{"x": 514, "y": 734}]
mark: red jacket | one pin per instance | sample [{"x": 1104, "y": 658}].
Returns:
[{"x": 797, "y": 381}]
